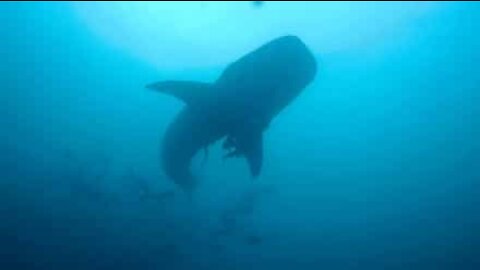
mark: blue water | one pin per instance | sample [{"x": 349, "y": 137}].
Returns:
[{"x": 374, "y": 166}]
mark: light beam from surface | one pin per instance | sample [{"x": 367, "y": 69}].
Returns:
[{"x": 178, "y": 35}]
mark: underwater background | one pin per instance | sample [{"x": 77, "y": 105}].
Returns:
[{"x": 373, "y": 166}]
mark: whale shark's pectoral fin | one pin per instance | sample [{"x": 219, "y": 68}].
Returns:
[
  {"x": 250, "y": 144},
  {"x": 187, "y": 91}
]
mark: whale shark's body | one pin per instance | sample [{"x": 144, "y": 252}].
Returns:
[{"x": 238, "y": 107}]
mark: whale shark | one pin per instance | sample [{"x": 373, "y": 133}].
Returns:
[{"x": 238, "y": 107}]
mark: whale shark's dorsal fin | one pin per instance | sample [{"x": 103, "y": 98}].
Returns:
[{"x": 188, "y": 91}]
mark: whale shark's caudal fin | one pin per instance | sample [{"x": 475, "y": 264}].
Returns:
[{"x": 190, "y": 92}]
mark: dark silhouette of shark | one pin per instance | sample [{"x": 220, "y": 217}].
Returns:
[{"x": 238, "y": 107}]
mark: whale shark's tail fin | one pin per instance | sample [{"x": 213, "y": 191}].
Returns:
[
  {"x": 192, "y": 93},
  {"x": 182, "y": 177}
]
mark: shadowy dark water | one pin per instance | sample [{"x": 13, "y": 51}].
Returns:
[{"x": 374, "y": 166}]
